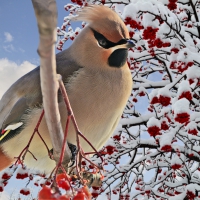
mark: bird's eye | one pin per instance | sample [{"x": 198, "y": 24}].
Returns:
[{"x": 102, "y": 42}]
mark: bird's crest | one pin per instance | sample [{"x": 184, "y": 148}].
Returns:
[{"x": 105, "y": 21}]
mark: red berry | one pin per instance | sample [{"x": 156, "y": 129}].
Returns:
[
  {"x": 1, "y": 188},
  {"x": 182, "y": 117},
  {"x": 25, "y": 191},
  {"x": 63, "y": 176},
  {"x": 5, "y": 176},
  {"x": 79, "y": 196},
  {"x": 86, "y": 191},
  {"x": 63, "y": 184},
  {"x": 45, "y": 193},
  {"x": 166, "y": 148},
  {"x": 83, "y": 163},
  {"x": 21, "y": 176},
  {"x": 95, "y": 194},
  {"x": 175, "y": 166},
  {"x": 153, "y": 131}
]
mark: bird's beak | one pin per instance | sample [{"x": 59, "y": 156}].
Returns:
[
  {"x": 126, "y": 45},
  {"x": 129, "y": 44}
]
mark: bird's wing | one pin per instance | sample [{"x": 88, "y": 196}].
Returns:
[
  {"x": 12, "y": 122},
  {"x": 25, "y": 94},
  {"x": 15, "y": 113}
]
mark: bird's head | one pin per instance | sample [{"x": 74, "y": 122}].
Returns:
[{"x": 104, "y": 42}]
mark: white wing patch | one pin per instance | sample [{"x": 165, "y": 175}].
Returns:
[{"x": 13, "y": 126}]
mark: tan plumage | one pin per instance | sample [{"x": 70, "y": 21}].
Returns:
[
  {"x": 105, "y": 21},
  {"x": 98, "y": 82}
]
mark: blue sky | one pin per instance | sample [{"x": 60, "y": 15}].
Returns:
[{"x": 17, "y": 18}]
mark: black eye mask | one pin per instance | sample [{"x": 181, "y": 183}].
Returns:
[{"x": 106, "y": 44}]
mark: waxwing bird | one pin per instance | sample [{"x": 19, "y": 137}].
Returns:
[{"x": 98, "y": 82}]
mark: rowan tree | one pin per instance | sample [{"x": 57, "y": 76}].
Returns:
[{"x": 154, "y": 153}]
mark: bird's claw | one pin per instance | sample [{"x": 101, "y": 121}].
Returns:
[{"x": 74, "y": 151}]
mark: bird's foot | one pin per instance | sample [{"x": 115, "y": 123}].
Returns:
[{"x": 74, "y": 152}]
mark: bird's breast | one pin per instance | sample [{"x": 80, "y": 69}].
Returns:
[{"x": 98, "y": 100}]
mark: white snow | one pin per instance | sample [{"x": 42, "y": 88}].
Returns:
[
  {"x": 153, "y": 122},
  {"x": 193, "y": 72},
  {"x": 181, "y": 106},
  {"x": 176, "y": 160},
  {"x": 184, "y": 86},
  {"x": 192, "y": 125},
  {"x": 164, "y": 91},
  {"x": 166, "y": 138}
]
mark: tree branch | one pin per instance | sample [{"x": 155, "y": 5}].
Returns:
[{"x": 46, "y": 14}]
